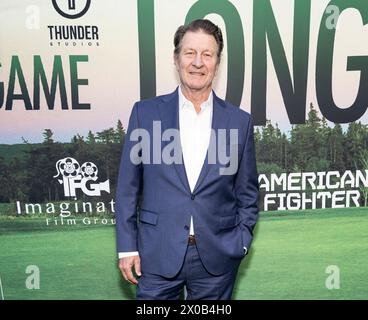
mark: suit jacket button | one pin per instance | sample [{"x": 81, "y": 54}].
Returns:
[{"x": 192, "y": 196}]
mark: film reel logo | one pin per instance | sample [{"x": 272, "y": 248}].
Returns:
[{"x": 75, "y": 176}]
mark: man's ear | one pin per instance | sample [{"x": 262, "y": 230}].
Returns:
[
  {"x": 176, "y": 62},
  {"x": 217, "y": 68}
]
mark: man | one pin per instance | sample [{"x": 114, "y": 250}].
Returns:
[{"x": 195, "y": 219}]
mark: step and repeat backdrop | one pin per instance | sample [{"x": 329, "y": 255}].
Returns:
[{"x": 70, "y": 72}]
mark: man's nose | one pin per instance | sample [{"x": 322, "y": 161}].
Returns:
[{"x": 197, "y": 61}]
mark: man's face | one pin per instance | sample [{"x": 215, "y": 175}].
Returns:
[{"x": 197, "y": 61}]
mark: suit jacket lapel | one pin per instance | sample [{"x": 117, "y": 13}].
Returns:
[
  {"x": 169, "y": 113},
  {"x": 220, "y": 119}
]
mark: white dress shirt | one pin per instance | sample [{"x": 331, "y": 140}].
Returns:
[{"x": 195, "y": 132}]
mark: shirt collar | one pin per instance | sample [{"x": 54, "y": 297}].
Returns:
[{"x": 184, "y": 102}]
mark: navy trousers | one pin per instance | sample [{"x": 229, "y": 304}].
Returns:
[{"x": 199, "y": 284}]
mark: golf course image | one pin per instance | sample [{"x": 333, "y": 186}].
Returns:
[{"x": 293, "y": 256}]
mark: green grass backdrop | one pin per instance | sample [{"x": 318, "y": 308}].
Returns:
[{"x": 288, "y": 258}]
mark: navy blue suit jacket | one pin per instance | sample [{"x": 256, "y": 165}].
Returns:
[{"x": 154, "y": 203}]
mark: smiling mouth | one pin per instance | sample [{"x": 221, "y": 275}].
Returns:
[{"x": 196, "y": 73}]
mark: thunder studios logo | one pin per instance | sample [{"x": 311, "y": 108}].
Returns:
[
  {"x": 71, "y": 9},
  {"x": 73, "y": 35},
  {"x": 74, "y": 176}
]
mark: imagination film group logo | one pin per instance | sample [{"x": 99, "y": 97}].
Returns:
[
  {"x": 74, "y": 176},
  {"x": 72, "y": 35},
  {"x": 73, "y": 211}
]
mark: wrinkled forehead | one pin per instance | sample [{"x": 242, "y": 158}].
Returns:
[{"x": 199, "y": 41}]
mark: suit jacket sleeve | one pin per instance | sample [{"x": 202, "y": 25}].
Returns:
[
  {"x": 127, "y": 192},
  {"x": 247, "y": 189}
]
